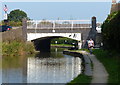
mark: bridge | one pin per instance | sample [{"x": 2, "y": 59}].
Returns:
[{"x": 42, "y": 31}]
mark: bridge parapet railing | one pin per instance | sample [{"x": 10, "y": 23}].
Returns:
[{"x": 58, "y": 24}]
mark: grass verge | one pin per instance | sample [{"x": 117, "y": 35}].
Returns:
[
  {"x": 81, "y": 80},
  {"x": 16, "y": 48},
  {"x": 61, "y": 45},
  {"x": 110, "y": 61}
]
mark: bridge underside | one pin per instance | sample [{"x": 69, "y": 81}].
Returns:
[
  {"x": 43, "y": 44},
  {"x": 42, "y": 40}
]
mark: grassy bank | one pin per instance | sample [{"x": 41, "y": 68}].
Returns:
[
  {"x": 16, "y": 48},
  {"x": 62, "y": 45},
  {"x": 81, "y": 80},
  {"x": 110, "y": 61}
]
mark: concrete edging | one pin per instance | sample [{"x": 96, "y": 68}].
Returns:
[
  {"x": 98, "y": 73},
  {"x": 87, "y": 62}
]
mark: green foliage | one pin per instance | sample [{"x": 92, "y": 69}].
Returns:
[
  {"x": 0, "y": 23},
  {"x": 17, "y": 15},
  {"x": 63, "y": 41},
  {"x": 111, "y": 31},
  {"x": 16, "y": 48},
  {"x": 15, "y": 24},
  {"x": 29, "y": 48},
  {"x": 12, "y": 23},
  {"x": 80, "y": 79},
  {"x": 61, "y": 45},
  {"x": 110, "y": 61}
]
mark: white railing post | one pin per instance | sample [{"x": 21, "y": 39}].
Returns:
[
  {"x": 35, "y": 26},
  {"x": 53, "y": 26},
  {"x": 72, "y": 25}
]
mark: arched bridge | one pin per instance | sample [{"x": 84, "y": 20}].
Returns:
[{"x": 43, "y": 31}]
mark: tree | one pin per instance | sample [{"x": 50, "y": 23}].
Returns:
[
  {"x": 111, "y": 31},
  {"x": 17, "y": 15}
]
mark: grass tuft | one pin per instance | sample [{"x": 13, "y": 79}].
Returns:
[{"x": 80, "y": 80}]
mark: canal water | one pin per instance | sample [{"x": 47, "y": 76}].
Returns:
[{"x": 53, "y": 67}]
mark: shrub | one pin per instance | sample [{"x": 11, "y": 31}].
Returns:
[{"x": 111, "y": 31}]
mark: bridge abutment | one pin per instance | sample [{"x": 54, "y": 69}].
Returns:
[
  {"x": 24, "y": 29},
  {"x": 79, "y": 44},
  {"x": 93, "y": 33}
]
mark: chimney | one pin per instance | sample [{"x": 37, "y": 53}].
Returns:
[{"x": 113, "y": 1}]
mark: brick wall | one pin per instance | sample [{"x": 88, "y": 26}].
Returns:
[
  {"x": 115, "y": 7},
  {"x": 14, "y": 34}
]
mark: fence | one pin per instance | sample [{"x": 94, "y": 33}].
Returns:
[{"x": 58, "y": 24}]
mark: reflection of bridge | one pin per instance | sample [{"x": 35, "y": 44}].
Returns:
[
  {"x": 42, "y": 31},
  {"x": 52, "y": 70}
]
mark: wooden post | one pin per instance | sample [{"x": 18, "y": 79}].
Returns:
[{"x": 24, "y": 29}]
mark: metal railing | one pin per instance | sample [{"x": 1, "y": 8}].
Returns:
[{"x": 58, "y": 24}]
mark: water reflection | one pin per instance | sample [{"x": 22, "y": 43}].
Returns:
[
  {"x": 52, "y": 70},
  {"x": 14, "y": 69},
  {"x": 54, "y": 67}
]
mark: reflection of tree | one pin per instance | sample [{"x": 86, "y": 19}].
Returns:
[
  {"x": 56, "y": 55},
  {"x": 12, "y": 62},
  {"x": 43, "y": 55}
]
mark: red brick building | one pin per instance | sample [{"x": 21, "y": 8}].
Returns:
[{"x": 115, "y": 6}]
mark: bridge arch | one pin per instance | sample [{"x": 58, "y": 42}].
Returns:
[
  {"x": 33, "y": 36},
  {"x": 42, "y": 43}
]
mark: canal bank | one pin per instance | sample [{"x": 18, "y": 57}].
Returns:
[
  {"x": 62, "y": 45},
  {"x": 110, "y": 60},
  {"x": 95, "y": 69},
  {"x": 86, "y": 75},
  {"x": 53, "y": 67},
  {"x": 17, "y": 48}
]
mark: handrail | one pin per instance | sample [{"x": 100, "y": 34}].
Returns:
[{"x": 55, "y": 24}]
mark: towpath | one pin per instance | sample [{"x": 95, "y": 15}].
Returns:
[{"x": 99, "y": 72}]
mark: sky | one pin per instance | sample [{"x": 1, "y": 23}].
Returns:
[
  {"x": 57, "y": 0},
  {"x": 64, "y": 10}
]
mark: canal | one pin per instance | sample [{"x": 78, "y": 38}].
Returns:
[{"x": 53, "y": 67}]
